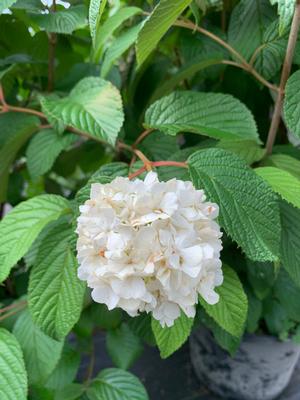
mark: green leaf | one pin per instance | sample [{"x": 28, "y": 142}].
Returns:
[
  {"x": 286, "y": 11},
  {"x": 66, "y": 369},
  {"x": 121, "y": 44},
  {"x": 158, "y": 146},
  {"x": 249, "y": 211},
  {"x": 285, "y": 162},
  {"x": 93, "y": 106},
  {"x": 55, "y": 292},
  {"x": 248, "y": 22},
  {"x": 290, "y": 240},
  {"x": 248, "y": 150},
  {"x": 291, "y": 105},
  {"x": 288, "y": 294},
  {"x": 6, "y": 4},
  {"x": 14, "y": 135},
  {"x": 95, "y": 13},
  {"x": 110, "y": 25},
  {"x": 171, "y": 339},
  {"x": 277, "y": 319},
  {"x": 13, "y": 378},
  {"x": 123, "y": 346},
  {"x": 116, "y": 384},
  {"x": 231, "y": 310},
  {"x": 43, "y": 150},
  {"x": 157, "y": 24},
  {"x": 70, "y": 392},
  {"x": 62, "y": 21},
  {"x": 254, "y": 312},
  {"x": 216, "y": 115},
  {"x": 21, "y": 226},
  {"x": 261, "y": 277},
  {"x": 41, "y": 353},
  {"x": 283, "y": 183},
  {"x": 141, "y": 326},
  {"x": 270, "y": 56}
]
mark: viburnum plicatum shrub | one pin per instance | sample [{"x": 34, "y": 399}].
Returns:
[{"x": 149, "y": 184}]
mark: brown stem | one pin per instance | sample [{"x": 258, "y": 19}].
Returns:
[
  {"x": 142, "y": 136},
  {"x": 242, "y": 61},
  {"x": 12, "y": 306},
  {"x": 286, "y": 69},
  {"x": 23, "y": 110},
  {"x": 13, "y": 312},
  {"x": 52, "y": 40},
  {"x": 2, "y": 98},
  {"x": 158, "y": 164}
]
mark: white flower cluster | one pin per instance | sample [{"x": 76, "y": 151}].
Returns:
[{"x": 150, "y": 246}]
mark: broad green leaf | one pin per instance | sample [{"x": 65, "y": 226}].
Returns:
[
  {"x": 248, "y": 21},
  {"x": 277, "y": 319},
  {"x": 270, "y": 56},
  {"x": 21, "y": 226},
  {"x": 121, "y": 44},
  {"x": 285, "y": 162},
  {"x": 283, "y": 183},
  {"x": 41, "y": 353},
  {"x": 6, "y": 4},
  {"x": 290, "y": 240},
  {"x": 13, "y": 377},
  {"x": 286, "y": 11},
  {"x": 185, "y": 72},
  {"x": 171, "y": 339},
  {"x": 65, "y": 371},
  {"x": 161, "y": 19},
  {"x": 158, "y": 146},
  {"x": 62, "y": 21},
  {"x": 249, "y": 211},
  {"x": 292, "y": 103},
  {"x": 110, "y": 25},
  {"x": 95, "y": 13},
  {"x": 248, "y": 150},
  {"x": 231, "y": 310},
  {"x": 43, "y": 150},
  {"x": 55, "y": 292},
  {"x": 116, "y": 384},
  {"x": 141, "y": 326},
  {"x": 123, "y": 346},
  {"x": 15, "y": 131},
  {"x": 215, "y": 115},
  {"x": 288, "y": 294},
  {"x": 73, "y": 391},
  {"x": 255, "y": 309},
  {"x": 93, "y": 106},
  {"x": 261, "y": 276}
]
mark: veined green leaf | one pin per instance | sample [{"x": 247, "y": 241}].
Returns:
[
  {"x": 110, "y": 25},
  {"x": 14, "y": 134},
  {"x": 248, "y": 22},
  {"x": 215, "y": 115},
  {"x": 290, "y": 240},
  {"x": 231, "y": 310},
  {"x": 94, "y": 106},
  {"x": 43, "y": 150},
  {"x": 292, "y": 103},
  {"x": 161, "y": 19},
  {"x": 171, "y": 339},
  {"x": 74, "y": 391},
  {"x": 286, "y": 11},
  {"x": 285, "y": 162},
  {"x": 248, "y": 150},
  {"x": 62, "y": 21},
  {"x": 41, "y": 353},
  {"x": 55, "y": 292},
  {"x": 21, "y": 226},
  {"x": 116, "y": 384},
  {"x": 123, "y": 346},
  {"x": 283, "y": 183},
  {"x": 13, "y": 377},
  {"x": 121, "y": 44},
  {"x": 95, "y": 13},
  {"x": 249, "y": 211}
]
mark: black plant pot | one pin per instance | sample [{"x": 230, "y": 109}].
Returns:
[{"x": 260, "y": 370}]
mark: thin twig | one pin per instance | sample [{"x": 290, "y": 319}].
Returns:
[
  {"x": 141, "y": 137},
  {"x": 286, "y": 69},
  {"x": 13, "y": 312},
  {"x": 158, "y": 164},
  {"x": 23, "y": 110},
  {"x": 242, "y": 61},
  {"x": 12, "y": 306}
]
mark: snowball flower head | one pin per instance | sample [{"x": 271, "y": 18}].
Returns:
[{"x": 150, "y": 246}]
